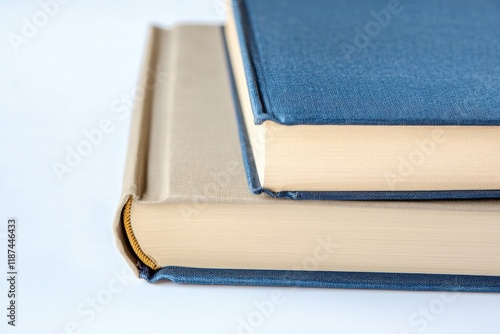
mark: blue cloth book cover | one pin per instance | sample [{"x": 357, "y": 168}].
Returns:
[{"x": 389, "y": 72}]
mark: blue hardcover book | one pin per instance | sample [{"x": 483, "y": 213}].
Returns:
[
  {"x": 368, "y": 100},
  {"x": 186, "y": 214}
]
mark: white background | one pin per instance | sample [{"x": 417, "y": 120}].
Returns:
[{"x": 65, "y": 79}]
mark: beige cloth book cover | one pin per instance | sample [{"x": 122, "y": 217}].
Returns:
[
  {"x": 184, "y": 161},
  {"x": 194, "y": 76}
]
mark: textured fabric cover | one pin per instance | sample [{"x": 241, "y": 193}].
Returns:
[
  {"x": 430, "y": 62},
  {"x": 325, "y": 279}
]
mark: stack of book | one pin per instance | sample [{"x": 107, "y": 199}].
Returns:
[{"x": 349, "y": 144}]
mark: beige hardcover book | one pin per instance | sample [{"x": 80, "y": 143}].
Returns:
[{"x": 186, "y": 201}]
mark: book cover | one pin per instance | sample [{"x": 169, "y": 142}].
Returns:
[
  {"x": 316, "y": 125},
  {"x": 371, "y": 62},
  {"x": 184, "y": 164}
]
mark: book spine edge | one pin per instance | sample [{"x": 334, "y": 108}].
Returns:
[{"x": 137, "y": 149}]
